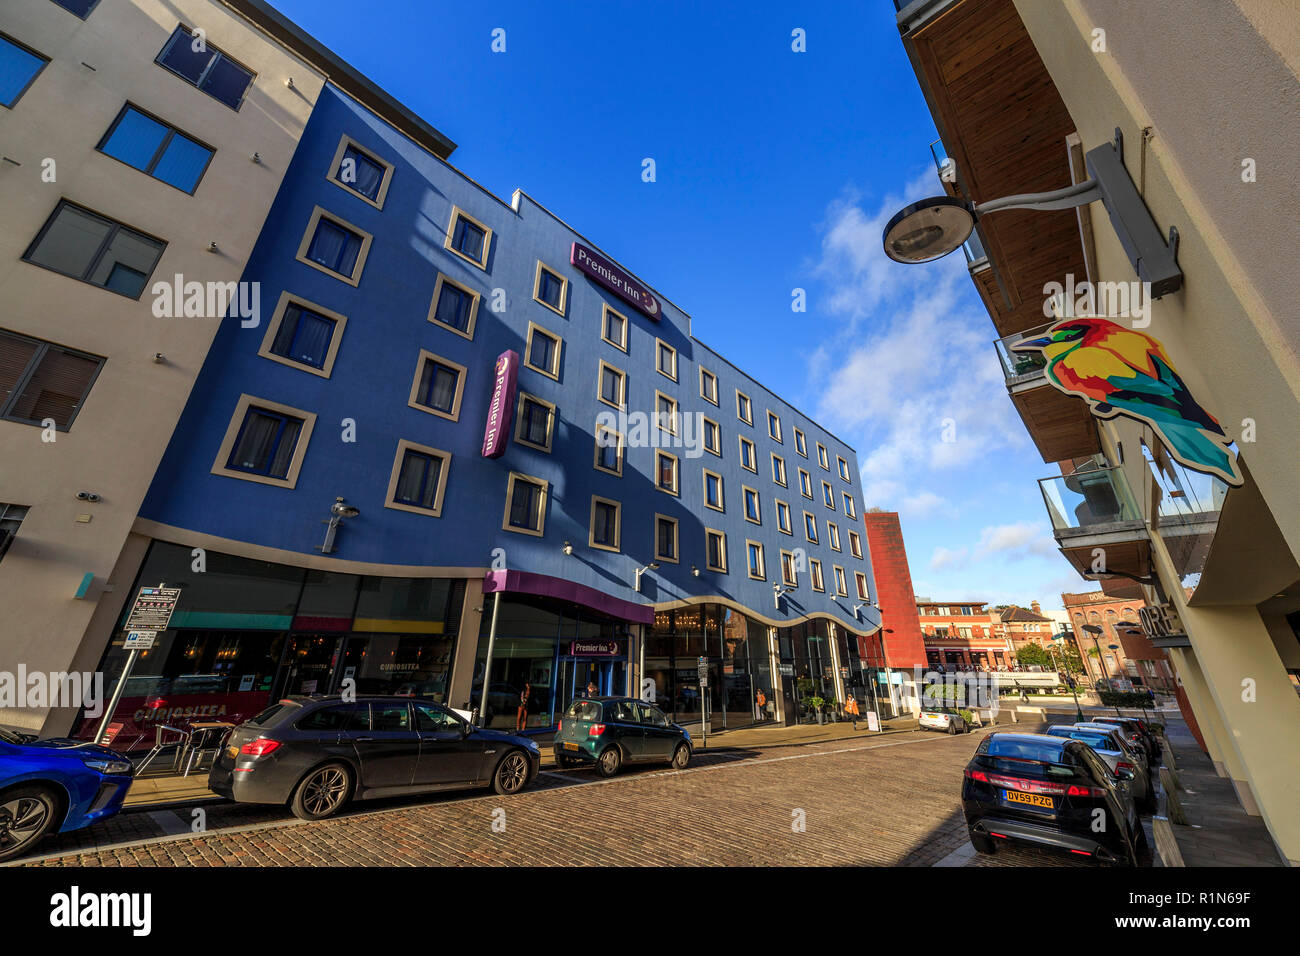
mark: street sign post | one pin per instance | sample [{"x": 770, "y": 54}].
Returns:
[
  {"x": 151, "y": 613},
  {"x": 703, "y": 671}
]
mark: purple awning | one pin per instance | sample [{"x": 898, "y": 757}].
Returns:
[{"x": 526, "y": 582}]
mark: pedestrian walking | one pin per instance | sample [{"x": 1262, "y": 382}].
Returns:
[
  {"x": 521, "y": 718},
  {"x": 851, "y": 708},
  {"x": 761, "y": 700}
]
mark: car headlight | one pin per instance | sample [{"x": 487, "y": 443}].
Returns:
[{"x": 107, "y": 765}]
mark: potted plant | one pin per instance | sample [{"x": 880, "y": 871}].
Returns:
[
  {"x": 815, "y": 705},
  {"x": 833, "y": 708}
]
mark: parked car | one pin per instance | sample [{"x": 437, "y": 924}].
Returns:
[
  {"x": 1112, "y": 748},
  {"x": 55, "y": 786},
  {"x": 1044, "y": 791},
  {"x": 612, "y": 731},
  {"x": 317, "y": 753},
  {"x": 1137, "y": 733},
  {"x": 947, "y": 719}
]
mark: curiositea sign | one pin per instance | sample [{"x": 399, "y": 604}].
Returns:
[
  {"x": 597, "y": 267},
  {"x": 501, "y": 411}
]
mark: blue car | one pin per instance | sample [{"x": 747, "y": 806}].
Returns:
[{"x": 55, "y": 785}]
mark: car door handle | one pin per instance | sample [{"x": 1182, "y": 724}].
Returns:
[{"x": 362, "y": 740}]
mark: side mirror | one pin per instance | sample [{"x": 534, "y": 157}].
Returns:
[
  {"x": 466, "y": 729},
  {"x": 1124, "y": 774}
]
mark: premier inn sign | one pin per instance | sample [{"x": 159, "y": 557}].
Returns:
[
  {"x": 496, "y": 432},
  {"x": 604, "y": 272}
]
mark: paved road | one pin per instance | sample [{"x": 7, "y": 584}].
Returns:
[{"x": 889, "y": 801}]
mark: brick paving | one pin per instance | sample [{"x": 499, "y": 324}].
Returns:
[{"x": 888, "y": 801}]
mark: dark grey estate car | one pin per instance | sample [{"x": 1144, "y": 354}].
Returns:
[{"x": 317, "y": 753}]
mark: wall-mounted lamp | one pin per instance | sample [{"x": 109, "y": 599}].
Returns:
[
  {"x": 568, "y": 548},
  {"x": 777, "y": 591},
  {"x": 338, "y": 511},
  {"x": 289, "y": 83},
  {"x": 695, "y": 572},
  {"x": 257, "y": 157},
  {"x": 212, "y": 247},
  {"x": 652, "y": 566}
]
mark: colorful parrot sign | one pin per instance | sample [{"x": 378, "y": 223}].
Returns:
[{"x": 1119, "y": 371}]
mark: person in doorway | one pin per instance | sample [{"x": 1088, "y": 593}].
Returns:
[
  {"x": 851, "y": 708},
  {"x": 761, "y": 700},
  {"x": 521, "y": 718},
  {"x": 592, "y": 690}
]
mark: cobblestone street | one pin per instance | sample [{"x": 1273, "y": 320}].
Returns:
[{"x": 890, "y": 801}]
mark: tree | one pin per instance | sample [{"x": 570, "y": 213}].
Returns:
[
  {"x": 1068, "y": 655},
  {"x": 1031, "y": 655}
]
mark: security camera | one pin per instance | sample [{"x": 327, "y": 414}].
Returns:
[
  {"x": 159, "y": 358},
  {"x": 87, "y": 496}
]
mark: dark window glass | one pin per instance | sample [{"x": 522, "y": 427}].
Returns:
[
  {"x": 430, "y": 718},
  {"x": 334, "y": 247},
  {"x": 611, "y": 386},
  {"x": 525, "y": 505},
  {"x": 666, "y": 360},
  {"x": 390, "y": 718},
  {"x": 467, "y": 239},
  {"x": 667, "y": 539},
  {"x": 358, "y": 171},
  {"x": 541, "y": 351},
  {"x": 206, "y": 68},
  {"x": 536, "y": 422},
  {"x": 453, "y": 307},
  {"x": 550, "y": 288},
  {"x": 715, "y": 551},
  {"x": 667, "y": 473},
  {"x": 614, "y": 327},
  {"x": 153, "y": 147},
  {"x": 88, "y": 247},
  {"x": 265, "y": 443},
  {"x": 304, "y": 336},
  {"x": 605, "y": 525},
  {"x": 713, "y": 490},
  {"x": 80, "y": 8},
  {"x": 437, "y": 386},
  {"x": 18, "y": 67},
  {"x": 607, "y": 443},
  {"x": 39, "y": 380},
  {"x": 417, "y": 484},
  {"x": 341, "y": 718}
]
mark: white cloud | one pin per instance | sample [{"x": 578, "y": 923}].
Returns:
[
  {"x": 1015, "y": 540},
  {"x": 948, "y": 558},
  {"x": 925, "y": 504}
]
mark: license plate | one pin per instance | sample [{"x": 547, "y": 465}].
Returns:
[
  {"x": 232, "y": 752},
  {"x": 1032, "y": 799},
  {"x": 569, "y": 746}
]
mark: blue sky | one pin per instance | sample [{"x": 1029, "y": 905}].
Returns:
[{"x": 775, "y": 170}]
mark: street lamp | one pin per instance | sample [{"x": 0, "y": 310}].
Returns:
[
  {"x": 932, "y": 228},
  {"x": 1094, "y": 630},
  {"x": 652, "y": 566},
  {"x": 1078, "y": 711}
]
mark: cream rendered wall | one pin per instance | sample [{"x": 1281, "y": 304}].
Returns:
[{"x": 118, "y": 437}]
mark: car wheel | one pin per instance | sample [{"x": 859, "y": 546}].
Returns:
[
  {"x": 681, "y": 757},
  {"x": 322, "y": 793},
  {"x": 512, "y": 773},
  {"x": 609, "y": 762},
  {"x": 26, "y": 815},
  {"x": 983, "y": 844},
  {"x": 952, "y": 727}
]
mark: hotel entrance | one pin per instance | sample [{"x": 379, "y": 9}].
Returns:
[{"x": 609, "y": 676}]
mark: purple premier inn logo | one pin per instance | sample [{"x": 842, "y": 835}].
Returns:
[
  {"x": 501, "y": 411},
  {"x": 615, "y": 280}
]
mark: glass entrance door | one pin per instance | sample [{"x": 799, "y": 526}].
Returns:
[{"x": 309, "y": 664}]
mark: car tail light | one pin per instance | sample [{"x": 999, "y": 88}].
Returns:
[
  {"x": 979, "y": 775},
  {"x": 1026, "y": 785},
  {"x": 1121, "y": 765},
  {"x": 1074, "y": 790},
  {"x": 596, "y": 730},
  {"x": 559, "y": 726},
  {"x": 1000, "y": 836},
  {"x": 259, "y": 748},
  {"x": 1082, "y": 852}
]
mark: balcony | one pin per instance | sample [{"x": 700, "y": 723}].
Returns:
[
  {"x": 1060, "y": 425},
  {"x": 1097, "y": 523},
  {"x": 1187, "y": 516}
]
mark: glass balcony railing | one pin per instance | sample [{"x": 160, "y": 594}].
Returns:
[
  {"x": 1020, "y": 366},
  {"x": 1187, "y": 516},
  {"x": 1089, "y": 501},
  {"x": 943, "y": 163}
]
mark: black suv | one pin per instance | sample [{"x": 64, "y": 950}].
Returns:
[{"x": 1054, "y": 793}]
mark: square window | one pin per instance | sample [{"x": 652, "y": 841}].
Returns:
[
  {"x": 605, "y": 524},
  {"x": 525, "y": 504},
  {"x": 666, "y": 472},
  {"x": 543, "y": 351},
  {"x": 468, "y": 238},
  {"x": 612, "y": 385},
  {"x": 19, "y": 67},
  {"x": 438, "y": 387},
  {"x": 708, "y": 386},
  {"x": 83, "y": 245},
  {"x": 454, "y": 306},
  {"x": 778, "y": 470},
  {"x": 810, "y": 527},
  {"x": 754, "y": 554},
  {"x": 266, "y": 443},
  {"x": 748, "y": 459},
  {"x": 614, "y": 328},
  {"x": 716, "y": 550},
  {"x": 753, "y": 510},
  {"x": 800, "y": 443},
  {"x": 712, "y": 436},
  {"x": 204, "y": 66},
  {"x": 40, "y": 380},
  {"x": 665, "y": 538},
  {"x": 713, "y": 491},
  {"x": 744, "y": 409},
  {"x": 783, "y": 521},
  {"x": 774, "y": 426},
  {"x": 609, "y": 450},
  {"x": 302, "y": 336},
  {"x": 666, "y": 359},
  {"x": 361, "y": 172},
  {"x": 157, "y": 149},
  {"x": 11, "y": 519},
  {"x": 334, "y": 247},
  {"x": 550, "y": 288},
  {"x": 419, "y": 480},
  {"x": 536, "y": 422}
]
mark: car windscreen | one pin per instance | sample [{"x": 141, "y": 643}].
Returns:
[
  {"x": 583, "y": 710},
  {"x": 1095, "y": 741}
]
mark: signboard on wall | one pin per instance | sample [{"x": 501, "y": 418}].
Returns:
[
  {"x": 596, "y": 649},
  {"x": 596, "y": 267},
  {"x": 501, "y": 411}
]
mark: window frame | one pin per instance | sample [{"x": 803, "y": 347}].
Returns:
[
  {"x": 661, "y": 346},
  {"x": 552, "y": 373},
  {"x": 207, "y": 70},
  {"x": 810, "y": 523},
  {"x": 815, "y": 578},
  {"x": 475, "y": 296},
  {"x": 116, "y": 226},
  {"x": 172, "y": 131},
  {"x": 413, "y": 401},
  {"x": 677, "y": 540},
  {"x": 784, "y": 525},
  {"x": 89, "y": 10},
  {"x": 843, "y": 466},
  {"x": 745, "y": 492},
  {"x": 749, "y": 403},
  {"x": 456, "y": 214},
  {"x": 828, "y": 491},
  {"x": 542, "y": 500},
  {"x": 805, "y": 485},
  {"x": 860, "y": 581},
  {"x": 722, "y": 550},
  {"x": 45, "y": 61},
  {"x": 800, "y": 442},
  {"x": 620, "y": 449},
  {"x": 833, "y": 536},
  {"x": 672, "y": 416},
  {"x": 783, "y": 481},
  {"x": 762, "y": 560},
  {"x": 753, "y": 455},
  {"x": 676, "y": 488},
  {"x": 790, "y": 580},
  {"x": 774, "y": 427},
  {"x": 519, "y": 422},
  {"x": 841, "y": 584},
  {"x": 277, "y": 319},
  {"x": 855, "y": 544},
  {"x": 399, "y": 459},
  {"x": 235, "y": 426},
  {"x": 332, "y": 172},
  {"x": 617, "y": 547},
  {"x": 850, "y": 508},
  {"x": 600, "y": 383},
  {"x": 43, "y": 347},
  {"x": 563, "y": 308},
  {"x": 319, "y": 213},
  {"x": 714, "y": 429},
  {"x": 721, "y": 506},
  {"x": 822, "y": 457},
  {"x": 605, "y": 312},
  {"x": 704, "y": 394}
]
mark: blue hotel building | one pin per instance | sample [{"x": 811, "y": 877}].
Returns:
[{"x": 328, "y": 509}]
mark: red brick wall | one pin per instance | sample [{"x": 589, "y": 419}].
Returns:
[{"x": 901, "y": 624}]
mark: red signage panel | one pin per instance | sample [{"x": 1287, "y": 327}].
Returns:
[{"x": 606, "y": 273}]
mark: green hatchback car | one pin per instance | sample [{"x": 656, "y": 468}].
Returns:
[{"x": 612, "y": 731}]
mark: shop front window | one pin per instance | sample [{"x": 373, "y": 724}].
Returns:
[{"x": 399, "y": 665}]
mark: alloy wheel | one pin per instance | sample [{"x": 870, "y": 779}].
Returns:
[
  {"x": 513, "y": 772},
  {"x": 21, "y": 819},
  {"x": 325, "y": 791}
]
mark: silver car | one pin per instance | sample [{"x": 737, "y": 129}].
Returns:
[{"x": 1109, "y": 744}]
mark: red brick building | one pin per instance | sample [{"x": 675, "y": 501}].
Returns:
[
  {"x": 962, "y": 634},
  {"x": 1134, "y": 659},
  {"x": 901, "y": 628}
]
